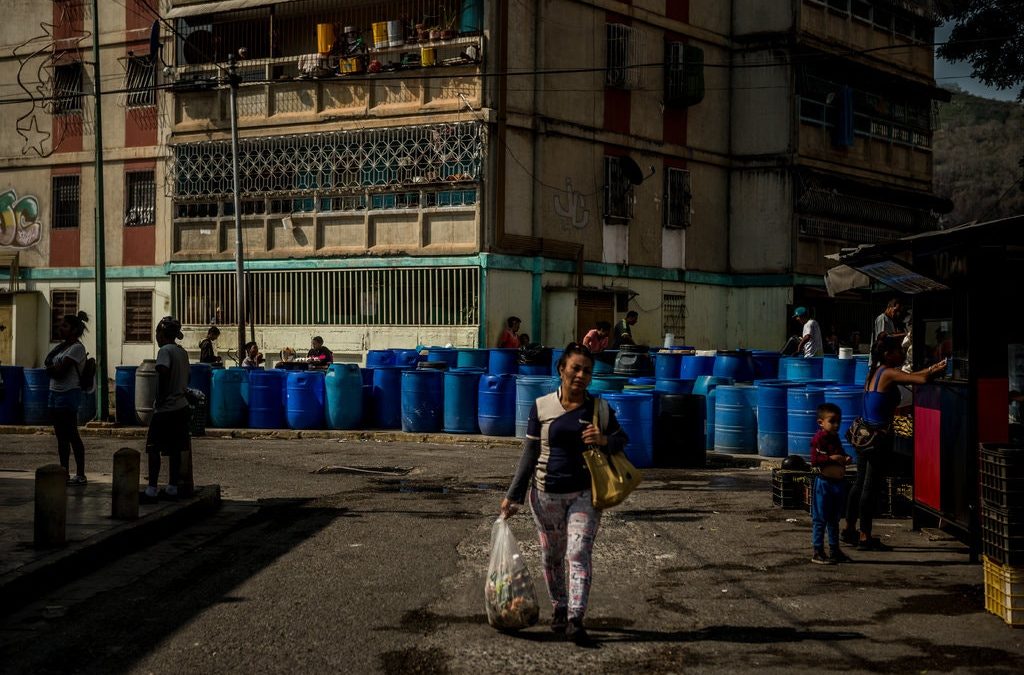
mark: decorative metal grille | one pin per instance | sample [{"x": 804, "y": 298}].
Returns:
[
  {"x": 831, "y": 229},
  {"x": 436, "y": 296},
  {"x": 67, "y": 89},
  {"x": 66, "y": 199},
  {"x": 624, "y": 56},
  {"x": 331, "y": 163},
  {"x": 138, "y": 315},
  {"x": 139, "y": 77},
  {"x": 139, "y": 198},
  {"x": 618, "y": 192},
  {"x": 673, "y": 315},
  {"x": 677, "y": 198},
  {"x": 62, "y": 303}
]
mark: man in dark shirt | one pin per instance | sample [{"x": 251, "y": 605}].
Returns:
[
  {"x": 207, "y": 350},
  {"x": 322, "y": 355},
  {"x": 624, "y": 330}
]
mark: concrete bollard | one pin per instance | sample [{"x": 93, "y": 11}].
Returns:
[
  {"x": 51, "y": 512},
  {"x": 124, "y": 504}
]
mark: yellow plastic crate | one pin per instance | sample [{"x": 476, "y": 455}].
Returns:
[{"x": 1004, "y": 591}]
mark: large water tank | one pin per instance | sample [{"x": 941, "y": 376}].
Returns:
[
  {"x": 460, "y": 400},
  {"x": 344, "y": 396},
  {"x": 422, "y": 400},
  {"x": 735, "y": 419},
  {"x": 266, "y": 398},
  {"x": 528, "y": 390},
  {"x": 229, "y": 398},
  {"x": 496, "y": 402},
  {"x": 306, "y": 399},
  {"x": 145, "y": 391},
  {"x": 10, "y": 406},
  {"x": 635, "y": 414}
]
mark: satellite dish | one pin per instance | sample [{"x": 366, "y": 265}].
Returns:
[
  {"x": 154, "y": 42},
  {"x": 631, "y": 170}
]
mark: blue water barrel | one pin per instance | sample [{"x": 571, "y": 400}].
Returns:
[
  {"x": 604, "y": 362},
  {"x": 772, "y": 407},
  {"x": 694, "y": 366},
  {"x": 343, "y": 396},
  {"x": 850, "y": 399},
  {"x": 534, "y": 369},
  {"x": 861, "y": 369},
  {"x": 679, "y": 430},
  {"x": 267, "y": 389},
  {"x": 556, "y": 354},
  {"x": 445, "y": 355},
  {"x": 840, "y": 370},
  {"x": 422, "y": 400},
  {"x": 709, "y": 418},
  {"x": 642, "y": 381},
  {"x": 376, "y": 358},
  {"x": 200, "y": 376},
  {"x": 471, "y": 18},
  {"x": 229, "y": 398},
  {"x": 766, "y": 364},
  {"x": 406, "y": 358},
  {"x": 502, "y": 361},
  {"x": 801, "y": 369},
  {"x": 473, "y": 358},
  {"x": 673, "y": 386},
  {"x": 367, "y": 375},
  {"x": 10, "y": 407},
  {"x": 737, "y": 364},
  {"x": 368, "y": 414},
  {"x": 667, "y": 365},
  {"x": 705, "y": 383},
  {"x": 635, "y": 413},
  {"x": 802, "y": 417},
  {"x": 87, "y": 408},
  {"x": 387, "y": 397},
  {"x": 528, "y": 390},
  {"x": 306, "y": 399},
  {"x": 124, "y": 395},
  {"x": 461, "y": 392},
  {"x": 35, "y": 393},
  {"x": 601, "y": 383},
  {"x": 736, "y": 419},
  {"x": 496, "y": 405}
]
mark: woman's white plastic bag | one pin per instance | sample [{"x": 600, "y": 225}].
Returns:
[{"x": 508, "y": 593}]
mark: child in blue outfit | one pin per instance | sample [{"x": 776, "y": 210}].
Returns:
[{"x": 829, "y": 461}]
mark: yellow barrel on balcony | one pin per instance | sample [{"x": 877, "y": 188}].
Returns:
[
  {"x": 324, "y": 37},
  {"x": 428, "y": 56},
  {"x": 380, "y": 34}
]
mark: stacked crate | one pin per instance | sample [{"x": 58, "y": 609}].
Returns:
[
  {"x": 788, "y": 488},
  {"x": 1002, "y": 530}
]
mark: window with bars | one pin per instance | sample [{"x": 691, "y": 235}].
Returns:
[
  {"x": 67, "y": 89},
  {"x": 677, "y": 198},
  {"x": 138, "y": 315},
  {"x": 62, "y": 303},
  {"x": 684, "y": 74},
  {"x": 623, "y": 50},
  {"x": 435, "y": 296},
  {"x": 618, "y": 192},
  {"x": 66, "y": 201},
  {"x": 139, "y": 198},
  {"x": 673, "y": 315},
  {"x": 139, "y": 78}
]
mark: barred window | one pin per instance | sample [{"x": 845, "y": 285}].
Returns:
[
  {"x": 138, "y": 315},
  {"x": 62, "y": 303},
  {"x": 66, "y": 201},
  {"x": 624, "y": 51},
  {"x": 618, "y": 192},
  {"x": 67, "y": 89},
  {"x": 139, "y": 198},
  {"x": 673, "y": 315},
  {"x": 677, "y": 198},
  {"x": 139, "y": 77}
]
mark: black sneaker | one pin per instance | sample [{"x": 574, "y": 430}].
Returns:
[
  {"x": 819, "y": 557},
  {"x": 559, "y": 620},
  {"x": 872, "y": 544},
  {"x": 836, "y": 555},
  {"x": 851, "y": 537},
  {"x": 577, "y": 633}
]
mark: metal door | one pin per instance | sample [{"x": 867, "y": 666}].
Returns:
[{"x": 591, "y": 307}]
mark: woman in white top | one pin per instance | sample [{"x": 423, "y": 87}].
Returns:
[{"x": 64, "y": 366}]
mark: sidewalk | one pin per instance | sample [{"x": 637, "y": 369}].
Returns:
[{"x": 93, "y": 537}]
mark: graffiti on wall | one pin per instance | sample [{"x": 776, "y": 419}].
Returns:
[
  {"x": 572, "y": 206},
  {"x": 19, "y": 220}
]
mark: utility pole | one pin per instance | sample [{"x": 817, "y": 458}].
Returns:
[
  {"x": 102, "y": 410},
  {"x": 239, "y": 261}
]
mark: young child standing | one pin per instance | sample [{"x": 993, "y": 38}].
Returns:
[{"x": 829, "y": 460}]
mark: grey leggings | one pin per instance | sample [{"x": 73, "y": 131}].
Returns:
[{"x": 65, "y": 427}]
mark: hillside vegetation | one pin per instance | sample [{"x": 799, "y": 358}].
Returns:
[{"x": 978, "y": 149}]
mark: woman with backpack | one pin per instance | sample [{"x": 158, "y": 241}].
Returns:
[{"x": 64, "y": 365}]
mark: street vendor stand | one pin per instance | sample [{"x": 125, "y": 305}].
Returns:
[{"x": 966, "y": 285}]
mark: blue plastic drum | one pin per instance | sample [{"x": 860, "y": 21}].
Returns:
[
  {"x": 266, "y": 403},
  {"x": 766, "y": 364},
  {"x": 772, "y": 408},
  {"x": 667, "y": 365},
  {"x": 802, "y": 418},
  {"x": 229, "y": 398},
  {"x": 473, "y": 358},
  {"x": 502, "y": 361},
  {"x": 406, "y": 358},
  {"x": 602, "y": 383},
  {"x": 635, "y": 414},
  {"x": 200, "y": 376},
  {"x": 343, "y": 396},
  {"x": 528, "y": 390},
  {"x": 461, "y": 388},
  {"x": 739, "y": 365},
  {"x": 556, "y": 354},
  {"x": 496, "y": 403},
  {"x": 694, "y": 366},
  {"x": 706, "y": 383},
  {"x": 534, "y": 369},
  {"x": 422, "y": 400},
  {"x": 306, "y": 399},
  {"x": 673, "y": 386},
  {"x": 376, "y": 358},
  {"x": 387, "y": 397},
  {"x": 735, "y": 419},
  {"x": 802, "y": 369},
  {"x": 861, "y": 369},
  {"x": 850, "y": 399},
  {"x": 14, "y": 381},
  {"x": 841, "y": 370},
  {"x": 444, "y": 354}
]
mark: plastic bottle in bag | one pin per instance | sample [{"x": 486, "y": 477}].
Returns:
[{"x": 508, "y": 593}]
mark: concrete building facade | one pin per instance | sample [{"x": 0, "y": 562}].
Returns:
[{"x": 450, "y": 163}]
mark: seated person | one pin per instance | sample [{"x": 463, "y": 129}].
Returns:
[
  {"x": 321, "y": 355},
  {"x": 253, "y": 357}
]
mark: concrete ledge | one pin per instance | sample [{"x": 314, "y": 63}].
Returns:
[{"x": 22, "y": 585}]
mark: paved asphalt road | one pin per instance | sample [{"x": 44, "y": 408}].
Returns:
[{"x": 303, "y": 572}]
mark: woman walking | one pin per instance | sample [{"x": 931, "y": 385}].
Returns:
[
  {"x": 64, "y": 366},
  {"x": 881, "y": 398},
  {"x": 554, "y": 473}
]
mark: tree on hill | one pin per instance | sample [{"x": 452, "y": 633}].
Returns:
[{"x": 990, "y": 35}]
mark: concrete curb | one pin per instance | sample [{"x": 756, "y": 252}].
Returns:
[{"x": 24, "y": 584}]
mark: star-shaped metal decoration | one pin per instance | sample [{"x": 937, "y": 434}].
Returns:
[{"x": 33, "y": 135}]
